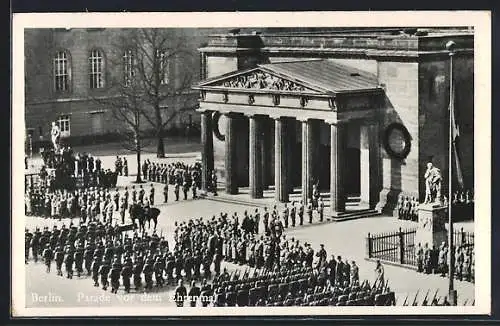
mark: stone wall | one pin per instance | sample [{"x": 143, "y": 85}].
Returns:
[
  {"x": 44, "y": 105},
  {"x": 434, "y": 98},
  {"x": 400, "y": 81}
]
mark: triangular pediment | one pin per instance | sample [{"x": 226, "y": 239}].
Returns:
[{"x": 259, "y": 79}]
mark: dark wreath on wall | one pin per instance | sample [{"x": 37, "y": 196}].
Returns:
[
  {"x": 397, "y": 141},
  {"x": 215, "y": 126}
]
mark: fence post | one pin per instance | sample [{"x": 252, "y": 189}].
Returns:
[
  {"x": 369, "y": 245},
  {"x": 401, "y": 247},
  {"x": 462, "y": 236}
]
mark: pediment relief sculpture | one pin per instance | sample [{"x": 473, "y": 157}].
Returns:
[{"x": 263, "y": 81}]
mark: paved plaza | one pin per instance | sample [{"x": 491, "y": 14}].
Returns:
[{"x": 346, "y": 239}]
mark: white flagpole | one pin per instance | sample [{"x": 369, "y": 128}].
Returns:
[{"x": 450, "y": 46}]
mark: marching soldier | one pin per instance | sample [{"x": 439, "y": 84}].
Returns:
[
  {"x": 125, "y": 167},
  {"x": 285, "y": 214},
  {"x": 293, "y": 213},
  {"x": 176, "y": 190},
  {"x": 123, "y": 208},
  {"x": 59, "y": 258},
  {"x": 214, "y": 182},
  {"x": 185, "y": 189},
  {"x": 68, "y": 262},
  {"x": 126, "y": 274},
  {"x": 207, "y": 261},
  {"x": 148, "y": 274},
  {"x": 35, "y": 243},
  {"x": 137, "y": 270},
  {"x": 78, "y": 257},
  {"x": 104, "y": 270},
  {"x": 115, "y": 276},
  {"x": 321, "y": 209},
  {"x": 88, "y": 255},
  {"x": 194, "y": 293},
  {"x": 256, "y": 221},
  {"x": 141, "y": 194},
  {"x": 47, "y": 256},
  {"x": 193, "y": 188},
  {"x": 96, "y": 264},
  {"x": 180, "y": 294},
  {"x": 310, "y": 211},
  {"x": 134, "y": 194},
  {"x": 152, "y": 195},
  {"x": 301, "y": 213},
  {"x": 28, "y": 236},
  {"x": 266, "y": 221},
  {"x": 206, "y": 291},
  {"x": 217, "y": 262},
  {"x": 354, "y": 273},
  {"x": 116, "y": 199},
  {"x": 420, "y": 258},
  {"x": 165, "y": 192},
  {"x": 158, "y": 270}
]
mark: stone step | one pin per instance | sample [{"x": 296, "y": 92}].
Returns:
[{"x": 349, "y": 215}]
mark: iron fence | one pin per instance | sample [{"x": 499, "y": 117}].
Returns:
[{"x": 399, "y": 246}]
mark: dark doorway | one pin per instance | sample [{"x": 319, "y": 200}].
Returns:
[
  {"x": 353, "y": 175},
  {"x": 324, "y": 167}
]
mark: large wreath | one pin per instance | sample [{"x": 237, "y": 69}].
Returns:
[
  {"x": 399, "y": 153},
  {"x": 215, "y": 127}
]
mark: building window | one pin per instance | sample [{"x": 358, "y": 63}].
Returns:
[
  {"x": 61, "y": 72},
  {"x": 96, "y": 75},
  {"x": 163, "y": 66},
  {"x": 64, "y": 125},
  {"x": 128, "y": 67}
]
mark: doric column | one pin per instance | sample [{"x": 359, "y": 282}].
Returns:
[
  {"x": 308, "y": 157},
  {"x": 337, "y": 167},
  {"x": 231, "y": 157},
  {"x": 264, "y": 147},
  {"x": 207, "y": 155},
  {"x": 280, "y": 166},
  {"x": 370, "y": 156},
  {"x": 255, "y": 157}
]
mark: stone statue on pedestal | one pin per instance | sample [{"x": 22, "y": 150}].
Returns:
[
  {"x": 55, "y": 136},
  {"x": 432, "y": 184}
]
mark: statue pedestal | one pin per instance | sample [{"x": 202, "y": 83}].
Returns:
[{"x": 431, "y": 224}]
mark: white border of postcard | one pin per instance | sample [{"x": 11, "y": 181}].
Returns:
[{"x": 480, "y": 20}]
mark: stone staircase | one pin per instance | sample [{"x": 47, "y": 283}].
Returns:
[{"x": 354, "y": 208}]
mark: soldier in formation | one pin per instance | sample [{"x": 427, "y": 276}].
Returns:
[{"x": 407, "y": 208}]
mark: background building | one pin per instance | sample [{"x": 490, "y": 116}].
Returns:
[
  {"x": 410, "y": 67},
  {"x": 67, "y": 72}
]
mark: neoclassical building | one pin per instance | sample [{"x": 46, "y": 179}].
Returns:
[{"x": 360, "y": 113}]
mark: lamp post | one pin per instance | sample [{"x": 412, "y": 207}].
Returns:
[{"x": 452, "y": 293}]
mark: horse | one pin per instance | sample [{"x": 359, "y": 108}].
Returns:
[{"x": 137, "y": 212}]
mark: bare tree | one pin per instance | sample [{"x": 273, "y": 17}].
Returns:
[{"x": 164, "y": 89}]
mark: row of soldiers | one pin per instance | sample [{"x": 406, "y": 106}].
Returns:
[
  {"x": 121, "y": 166},
  {"x": 298, "y": 286},
  {"x": 90, "y": 203},
  {"x": 198, "y": 245},
  {"x": 108, "y": 255},
  {"x": 435, "y": 260},
  {"x": 407, "y": 208},
  {"x": 178, "y": 172}
]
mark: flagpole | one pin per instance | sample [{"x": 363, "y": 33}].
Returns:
[{"x": 452, "y": 296}]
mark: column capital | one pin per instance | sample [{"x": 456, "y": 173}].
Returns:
[
  {"x": 232, "y": 114},
  {"x": 336, "y": 122},
  {"x": 255, "y": 115},
  {"x": 276, "y": 117},
  {"x": 203, "y": 110}
]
